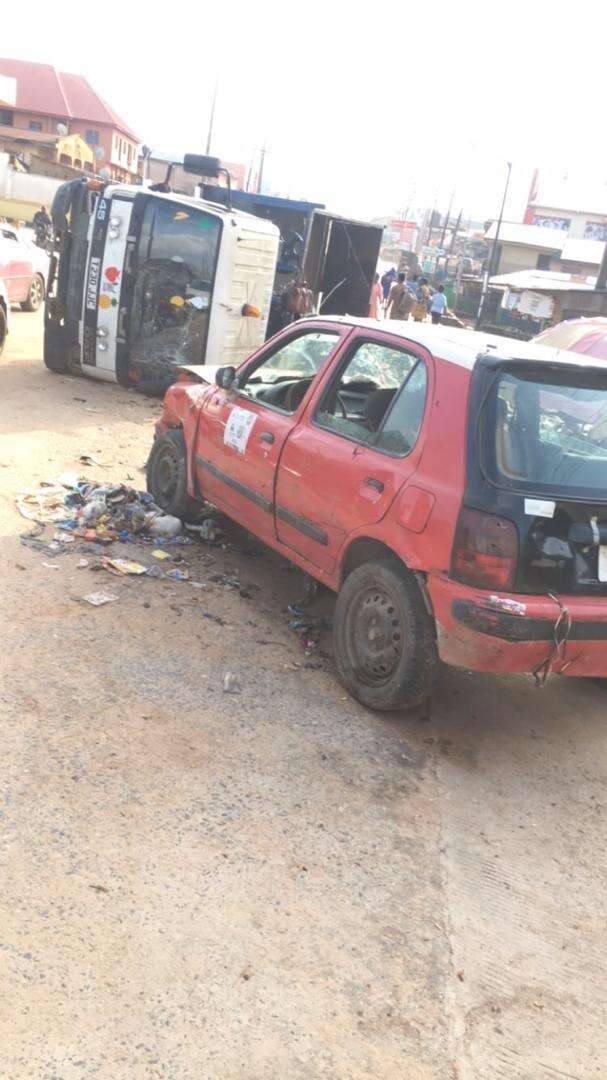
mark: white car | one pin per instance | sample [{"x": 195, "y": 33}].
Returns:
[{"x": 23, "y": 268}]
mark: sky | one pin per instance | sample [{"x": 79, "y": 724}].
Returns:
[{"x": 368, "y": 109}]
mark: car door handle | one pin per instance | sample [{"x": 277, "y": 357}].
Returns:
[
  {"x": 267, "y": 436},
  {"x": 370, "y": 481}
]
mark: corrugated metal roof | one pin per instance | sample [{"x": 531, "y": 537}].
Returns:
[
  {"x": 544, "y": 281},
  {"x": 583, "y": 251},
  {"x": 536, "y": 236}
]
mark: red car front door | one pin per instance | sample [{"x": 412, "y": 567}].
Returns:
[
  {"x": 359, "y": 441},
  {"x": 242, "y": 432}
]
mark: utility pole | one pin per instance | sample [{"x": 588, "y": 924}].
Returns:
[
  {"x": 446, "y": 222},
  {"x": 211, "y": 119},
  {"x": 455, "y": 232},
  {"x": 262, "y": 158},
  {"x": 493, "y": 247}
]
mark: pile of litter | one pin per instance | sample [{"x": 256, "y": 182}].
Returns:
[{"x": 99, "y": 512}]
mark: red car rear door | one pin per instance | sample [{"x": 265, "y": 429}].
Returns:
[
  {"x": 359, "y": 441},
  {"x": 242, "y": 432}
]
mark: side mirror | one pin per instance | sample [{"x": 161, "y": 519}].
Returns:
[
  {"x": 224, "y": 377},
  {"x": 202, "y": 165}
]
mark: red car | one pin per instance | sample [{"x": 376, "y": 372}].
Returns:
[
  {"x": 444, "y": 483},
  {"x": 584, "y": 335}
]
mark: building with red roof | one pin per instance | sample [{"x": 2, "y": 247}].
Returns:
[{"x": 38, "y": 98}]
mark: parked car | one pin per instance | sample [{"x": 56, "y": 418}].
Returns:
[
  {"x": 584, "y": 335},
  {"x": 444, "y": 483},
  {"x": 23, "y": 267},
  {"x": 4, "y": 310}
]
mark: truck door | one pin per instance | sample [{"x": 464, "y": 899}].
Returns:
[
  {"x": 103, "y": 318},
  {"x": 170, "y": 272},
  {"x": 241, "y": 434},
  {"x": 358, "y": 443}
]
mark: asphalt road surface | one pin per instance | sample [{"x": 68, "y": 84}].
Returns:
[{"x": 272, "y": 884}]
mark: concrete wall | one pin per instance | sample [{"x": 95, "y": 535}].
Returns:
[
  {"x": 578, "y": 220},
  {"x": 515, "y": 257}
]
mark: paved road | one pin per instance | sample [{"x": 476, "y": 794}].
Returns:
[{"x": 277, "y": 883}]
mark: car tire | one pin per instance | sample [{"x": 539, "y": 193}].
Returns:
[
  {"x": 167, "y": 477},
  {"x": 3, "y": 328},
  {"x": 384, "y": 637},
  {"x": 35, "y": 294}
]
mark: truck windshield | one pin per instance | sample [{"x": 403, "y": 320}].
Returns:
[
  {"x": 173, "y": 287},
  {"x": 551, "y": 431}
]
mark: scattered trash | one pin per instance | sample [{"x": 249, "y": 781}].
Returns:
[
  {"x": 207, "y": 530},
  {"x": 309, "y": 628},
  {"x": 99, "y": 888},
  {"x": 68, "y": 479},
  {"x": 51, "y": 550},
  {"x": 99, "y": 598},
  {"x": 198, "y": 584},
  {"x": 81, "y": 564},
  {"x": 228, "y": 580},
  {"x": 163, "y": 525},
  {"x": 231, "y": 684},
  {"x": 179, "y": 575},
  {"x": 122, "y": 566},
  {"x": 42, "y": 505},
  {"x": 51, "y": 565},
  {"x": 90, "y": 459},
  {"x": 160, "y": 554},
  {"x": 64, "y": 537}
]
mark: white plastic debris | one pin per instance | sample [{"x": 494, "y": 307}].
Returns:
[{"x": 99, "y": 598}]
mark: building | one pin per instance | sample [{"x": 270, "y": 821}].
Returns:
[
  {"x": 578, "y": 210},
  {"x": 538, "y": 247},
  {"x": 550, "y": 297},
  {"x": 37, "y": 99}
]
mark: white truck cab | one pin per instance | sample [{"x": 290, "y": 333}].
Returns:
[{"x": 145, "y": 281}]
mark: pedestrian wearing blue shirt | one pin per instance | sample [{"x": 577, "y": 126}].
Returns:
[{"x": 438, "y": 304}]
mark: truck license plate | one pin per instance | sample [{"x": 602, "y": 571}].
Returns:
[{"x": 603, "y": 563}]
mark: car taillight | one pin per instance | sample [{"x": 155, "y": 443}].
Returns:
[{"x": 485, "y": 550}]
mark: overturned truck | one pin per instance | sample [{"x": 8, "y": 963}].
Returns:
[{"x": 145, "y": 281}]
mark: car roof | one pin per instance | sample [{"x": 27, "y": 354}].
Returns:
[{"x": 463, "y": 347}]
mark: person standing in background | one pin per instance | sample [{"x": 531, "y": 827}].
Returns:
[
  {"x": 422, "y": 295},
  {"x": 400, "y": 300},
  {"x": 387, "y": 282},
  {"x": 375, "y": 298},
  {"x": 438, "y": 305}
]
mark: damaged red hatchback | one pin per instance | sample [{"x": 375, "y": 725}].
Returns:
[{"x": 449, "y": 486}]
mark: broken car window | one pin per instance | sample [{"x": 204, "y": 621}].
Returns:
[
  {"x": 552, "y": 434},
  {"x": 378, "y": 398},
  {"x": 283, "y": 378}
]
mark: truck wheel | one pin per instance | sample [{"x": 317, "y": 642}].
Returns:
[
  {"x": 35, "y": 294},
  {"x": 3, "y": 328},
  {"x": 167, "y": 477},
  {"x": 383, "y": 637}
]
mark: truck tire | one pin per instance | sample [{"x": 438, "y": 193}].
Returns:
[
  {"x": 3, "y": 328},
  {"x": 35, "y": 294},
  {"x": 167, "y": 477},
  {"x": 384, "y": 638}
]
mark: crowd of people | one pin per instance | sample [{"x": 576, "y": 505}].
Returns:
[{"x": 400, "y": 295}]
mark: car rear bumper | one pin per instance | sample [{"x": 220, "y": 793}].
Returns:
[{"x": 511, "y": 632}]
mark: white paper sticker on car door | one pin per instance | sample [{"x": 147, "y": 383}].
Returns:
[{"x": 238, "y": 428}]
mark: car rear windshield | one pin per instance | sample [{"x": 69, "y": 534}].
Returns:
[{"x": 550, "y": 431}]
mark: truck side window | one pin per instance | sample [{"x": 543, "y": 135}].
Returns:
[
  {"x": 378, "y": 398},
  {"x": 282, "y": 379}
]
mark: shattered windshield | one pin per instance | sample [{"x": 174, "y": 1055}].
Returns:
[{"x": 551, "y": 432}]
